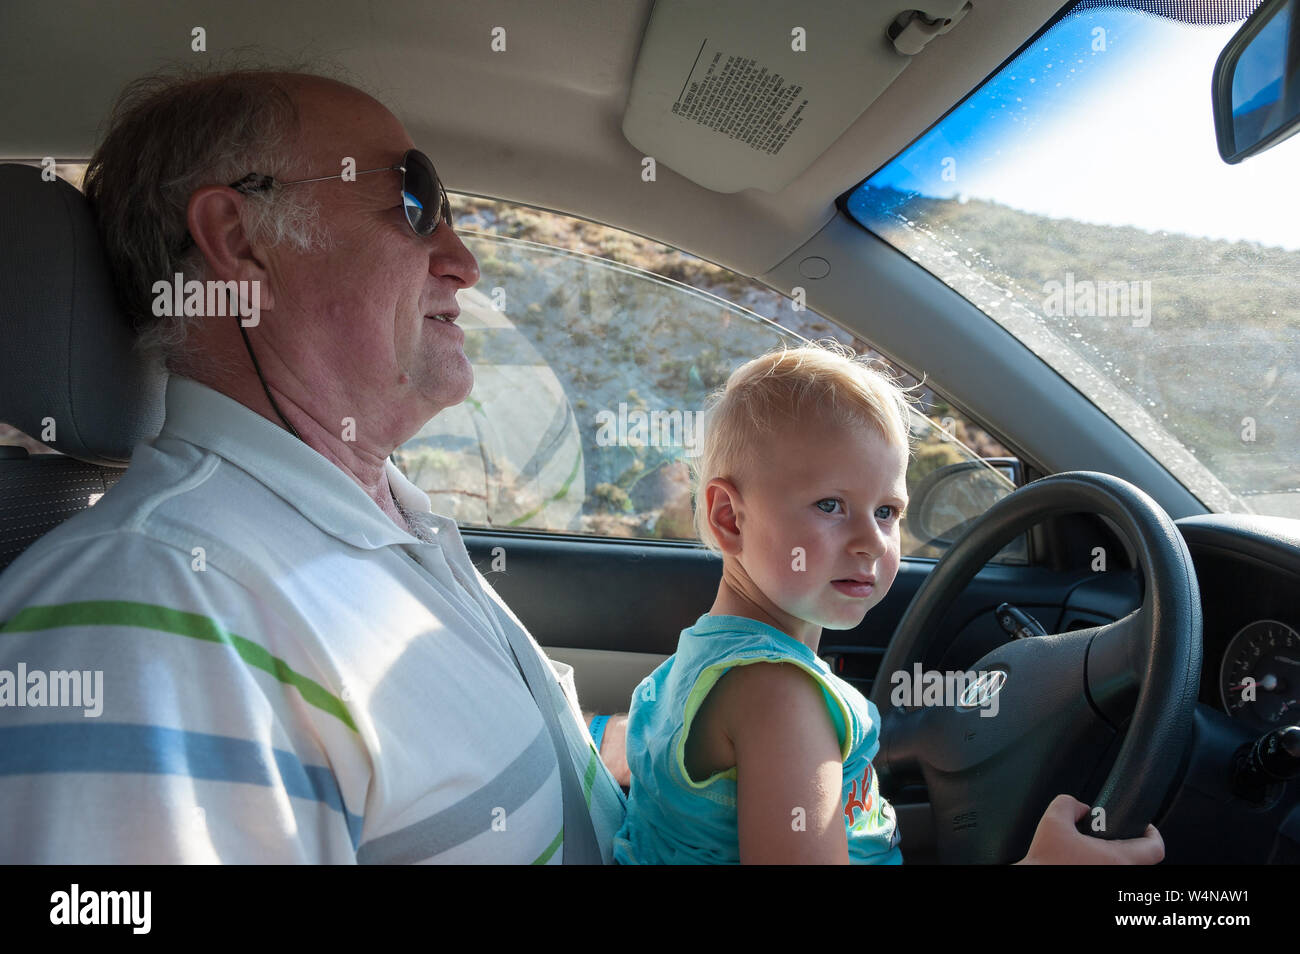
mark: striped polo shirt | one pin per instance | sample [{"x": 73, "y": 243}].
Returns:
[{"x": 236, "y": 656}]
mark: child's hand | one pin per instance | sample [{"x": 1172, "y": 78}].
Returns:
[{"x": 1058, "y": 842}]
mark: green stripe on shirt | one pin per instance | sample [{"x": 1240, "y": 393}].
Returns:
[
  {"x": 545, "y": 856},
  {"x": 590, "y": 776},
  {"x": 166, "y": 620}
]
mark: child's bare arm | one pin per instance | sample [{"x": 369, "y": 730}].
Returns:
[{"x": 789, "y": 773}]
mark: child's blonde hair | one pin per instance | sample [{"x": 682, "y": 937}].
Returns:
[{"x": 779, "y": 388}]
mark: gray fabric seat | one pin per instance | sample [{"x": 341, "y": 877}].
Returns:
[{"x": 66, "y": 357}]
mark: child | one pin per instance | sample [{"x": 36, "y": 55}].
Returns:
[{"x": 744, "y": 746}]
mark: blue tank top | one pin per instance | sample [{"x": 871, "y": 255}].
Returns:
[{"x": 674, "y": 819}]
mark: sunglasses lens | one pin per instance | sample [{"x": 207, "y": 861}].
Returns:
[{"x": 422, "y": 193}]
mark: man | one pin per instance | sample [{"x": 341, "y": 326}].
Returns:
[{"x": 299, "y": 661}]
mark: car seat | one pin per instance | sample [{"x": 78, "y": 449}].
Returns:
[{"x": 67, "y": 361}]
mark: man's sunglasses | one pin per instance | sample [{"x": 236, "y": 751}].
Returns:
[{"x": 423, "y": 195}]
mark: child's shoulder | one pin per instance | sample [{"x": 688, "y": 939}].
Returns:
[
  {"x": 748, "y": 660},
  {"x": 764, "y": 683}
]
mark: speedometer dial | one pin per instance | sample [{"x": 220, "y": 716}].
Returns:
[{"x": 1260, "y": 678}]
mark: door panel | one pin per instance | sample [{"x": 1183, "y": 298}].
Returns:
[{"x": 636, "y": 597}]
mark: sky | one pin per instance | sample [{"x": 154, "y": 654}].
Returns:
[{"x": 1112, "y": 128}]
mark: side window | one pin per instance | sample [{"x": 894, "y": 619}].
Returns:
[{"x": 594, "y": 351}]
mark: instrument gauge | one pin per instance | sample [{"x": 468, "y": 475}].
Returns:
[{"x": 1259, "y": 681}]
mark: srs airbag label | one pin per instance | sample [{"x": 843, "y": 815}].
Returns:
[{"x": 735, "y": 96}]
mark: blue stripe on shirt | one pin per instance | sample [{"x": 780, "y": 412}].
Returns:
[{"x": 155, "y": 750}]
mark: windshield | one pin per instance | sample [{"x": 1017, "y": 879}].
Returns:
[{"x": 1078, "y": 199}]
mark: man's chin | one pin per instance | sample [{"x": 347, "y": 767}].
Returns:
[
  {"x": 469, "y": 380},
  {"x": 451, "y": 394}
]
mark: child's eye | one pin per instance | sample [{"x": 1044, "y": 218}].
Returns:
[
  {"x": 892, "y": 512},
  {"x": 834, "y": 505}
]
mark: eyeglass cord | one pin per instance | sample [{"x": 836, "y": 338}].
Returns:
[{"x": 258, "y": 369}]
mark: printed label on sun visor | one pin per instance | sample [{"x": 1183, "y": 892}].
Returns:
[{"x": 744, "y": 101}]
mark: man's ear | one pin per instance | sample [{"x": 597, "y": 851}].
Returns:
[
  {"x": 725, "y": 508},
  {"x": 213, "y": 216}
]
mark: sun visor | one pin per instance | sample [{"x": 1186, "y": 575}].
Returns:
[{"x": 745, "y": 94}]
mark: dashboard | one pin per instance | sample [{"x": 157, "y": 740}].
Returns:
[
  {"x": 1238, "y": 777},
  {"x": 1249, "y": 574}
]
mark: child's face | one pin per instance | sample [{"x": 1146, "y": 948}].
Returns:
[{"x": 819, "y": 519}]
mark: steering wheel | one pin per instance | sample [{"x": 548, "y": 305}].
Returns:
[{"x": 994, "y": 761}]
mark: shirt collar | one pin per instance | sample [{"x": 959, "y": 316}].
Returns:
[{"x": 304, "y": 479}]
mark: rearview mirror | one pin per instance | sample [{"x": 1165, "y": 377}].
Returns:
[{"x": 1257, "y": 82}]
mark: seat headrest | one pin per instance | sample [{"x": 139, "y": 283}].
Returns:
[{"x": 67, "y": 354}]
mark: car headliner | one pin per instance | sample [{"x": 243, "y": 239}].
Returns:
[{"x": 539, "y": 123}]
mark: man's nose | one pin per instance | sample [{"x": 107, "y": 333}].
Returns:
[{"x": 449, "y": 257}]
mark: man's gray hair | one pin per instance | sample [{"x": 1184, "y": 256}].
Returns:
[{"x": 171, "y": 133}]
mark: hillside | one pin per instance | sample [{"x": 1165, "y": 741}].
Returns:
[{"x": 1215, "y": 346}]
